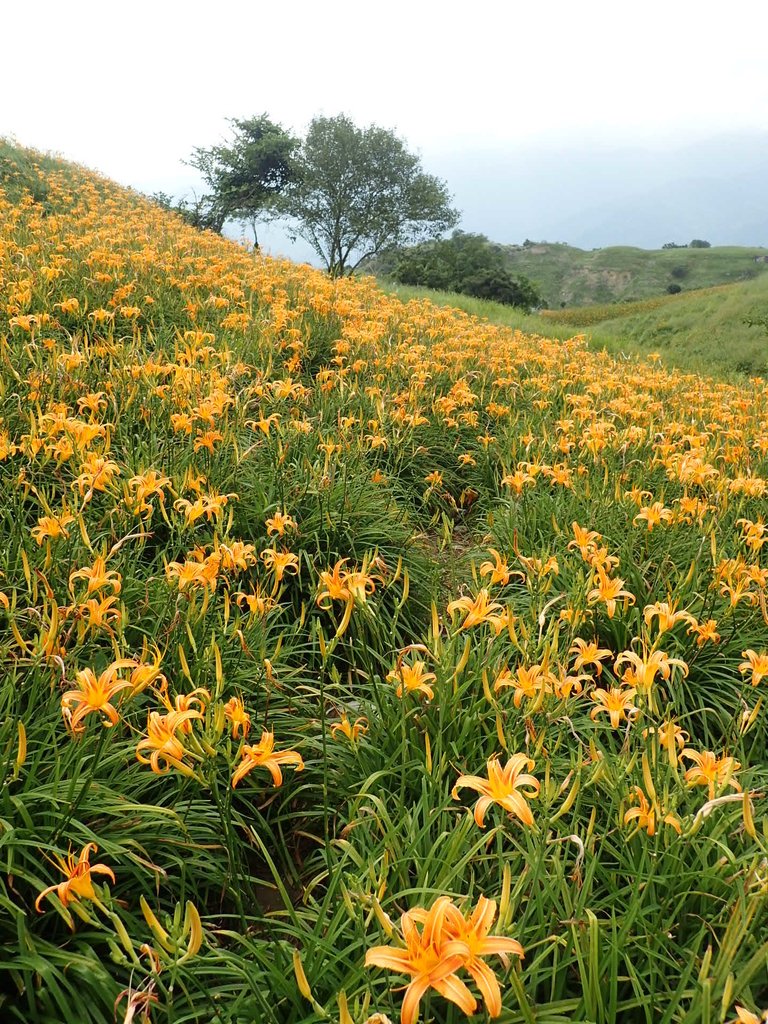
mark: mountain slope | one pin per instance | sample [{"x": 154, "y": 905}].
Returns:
[{"x": 577, "y": 277}]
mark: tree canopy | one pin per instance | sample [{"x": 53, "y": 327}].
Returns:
[
  {"x": 467, "y": 263},
  {"x": 359, "y": 191},
  {"x": 247, "y": 176}
]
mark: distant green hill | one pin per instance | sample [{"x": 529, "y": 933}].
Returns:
[{"x": 575, "y": 277}]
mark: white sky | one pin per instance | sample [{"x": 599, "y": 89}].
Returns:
[{"x": 131, "y": 88}]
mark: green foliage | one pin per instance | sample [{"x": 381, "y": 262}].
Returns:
[
  {"x": 245, "y": 177},
  {"x": 699, "y": 243},
  {"x": 359, "y": 191},
  {"x": 196, "y": 211},
  {"x": 673, "y": 288},
  {"x": 465, "y": 263}
]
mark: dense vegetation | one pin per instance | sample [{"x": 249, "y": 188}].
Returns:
[
  {"x": 349, "y": 192},
  {"x": 712, "y": 330},
  {"x": 465, "y": 263},
  {"x": 352, "y": 644}
]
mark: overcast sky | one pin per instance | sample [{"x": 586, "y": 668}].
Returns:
[{"x": 131, "y": 88}]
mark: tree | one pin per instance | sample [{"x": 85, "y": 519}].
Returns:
[
  {"x": 358, "y": 191},
  {"x": 246, "y": 177},
  {"x": 466, "y": 263},
  {"x": 446, "y": 263},
  {"x": 699, "y": 243}
]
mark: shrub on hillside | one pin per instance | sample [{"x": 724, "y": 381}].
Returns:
[{"x": 466, "y": 263}]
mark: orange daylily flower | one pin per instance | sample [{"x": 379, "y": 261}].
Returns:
[
  {"x": 647, "y": 814},
  {"x": 755, "y": 535},
  {"x": 236, "y": 556},
  {"x": 280, "y": 563},
  {"x": 478, "y": 609},
  {"x": 147, "y": 673},
  {"x": 264, "y": 755},
  {"x": 705, "y": 631},
  {"x": 654, "y": 515},
  {"x": 352, "y": 587},
  {"x": 616, "y": 703},
  {"x": 585, "y": 541},
  {"x": 498, "y": 570},
  {"x": 192, "y": 573},
  {"x": 504, "y": 787},
  {"x": 97, "y": 576},
  {"x": 352, "y": 730},
  {"x": 52, "y": 527},
  {"x": 279, "y": 523},
  {"x": 667, "y": 614},
  {"x": 258, "y": 605},
  {"x": 711, "y": 771},
  {"x": 209, "y": 505},
  {"x": 412, "y": 679},
  {"x": 447, "y": 942},
  {"x": 78, "y": 884},
  {"x": 745, "y": 1016},
  {"x": 588, "y": 652},
  {"x": 671, "y": 738},
  {"x": 195, "y": 700},
  {"x": 756, "y": 663},
  {"x": 167, "y": 749},
  {"x": 642, "y": 671},
  {"x": 333, "y": 585},
  {"x": 430, "y": 958},
  {"x": 473, "y": 930},
  {"x": 528, "y": 682},
  {"x": 235, "y": 712},
  {"x": 94, "y": 694},
  {"x": 608, "y": 591},
  {"x": 144, "y": 486}
]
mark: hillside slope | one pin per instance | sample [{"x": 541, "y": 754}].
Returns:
[
  {"x": 706, "y": 329},
  {"x": 576, "y": 277},
  {"x": 702, "y": 331},
  {"x": 351, "y": 646}
]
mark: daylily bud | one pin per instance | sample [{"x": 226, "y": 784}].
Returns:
[{"x": 301, "y": 978}]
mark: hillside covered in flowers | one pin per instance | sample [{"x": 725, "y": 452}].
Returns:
[{"x": 363, "y": 660}]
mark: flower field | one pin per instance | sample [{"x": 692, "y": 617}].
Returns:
[{"x": 363, "y": 661}]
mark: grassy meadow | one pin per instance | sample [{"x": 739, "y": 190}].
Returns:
[
  {"x": 706, "y": 329},
  {"x": 364, "y": 660}
]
